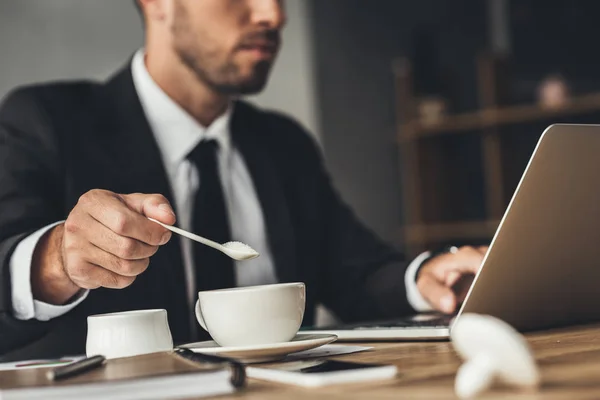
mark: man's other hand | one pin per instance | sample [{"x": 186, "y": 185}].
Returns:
[
  {"x": 106, "y": 241},
  {"x": 445, "y": 280}
]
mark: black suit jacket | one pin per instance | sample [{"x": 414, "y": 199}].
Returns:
[{"x": 58, "y": 141}]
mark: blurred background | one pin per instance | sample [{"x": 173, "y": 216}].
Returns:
[{"x": 427, "y": 111}]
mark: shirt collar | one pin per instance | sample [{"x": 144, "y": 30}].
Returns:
[{"x": 176, "y": 131}]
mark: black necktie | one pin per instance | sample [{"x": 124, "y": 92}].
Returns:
[{"x": 214, "y": 270}]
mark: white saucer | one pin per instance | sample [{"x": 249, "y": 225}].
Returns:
[{"x": 263, "y": 353}]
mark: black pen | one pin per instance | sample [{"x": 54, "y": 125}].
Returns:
[
  {"x": 238, "y": 376},
  {"x": 204, "y": 358},
  {"x": 76, "y": 368}
]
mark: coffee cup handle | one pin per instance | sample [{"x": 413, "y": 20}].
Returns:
[{"x": 199, "y": 315}]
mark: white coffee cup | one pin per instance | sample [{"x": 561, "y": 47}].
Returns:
[
  {"x": 254, "y": 315},
  {"x": 129, "y": 333}
]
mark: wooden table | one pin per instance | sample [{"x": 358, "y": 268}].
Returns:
[{"x": 569, "y": 360}]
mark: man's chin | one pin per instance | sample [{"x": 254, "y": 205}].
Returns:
[
  {"x": 256, "y": 80},
  {"x": 243, "y": 87},
  {"x": 251, "y": 88}
]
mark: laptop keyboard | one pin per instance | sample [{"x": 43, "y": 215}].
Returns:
[{"x": 417, "y": 321}]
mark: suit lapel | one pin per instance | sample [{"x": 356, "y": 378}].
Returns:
[
  {"x": 130, "y": 139},
  {"x": 246, "y": 130},
  {"x": 139, "y": 168}
]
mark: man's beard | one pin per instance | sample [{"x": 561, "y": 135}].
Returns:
[
  {"x": 226, "y": 78},
  {"x": 222, "y": 77}
]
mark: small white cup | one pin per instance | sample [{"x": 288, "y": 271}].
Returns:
[
  {"x": 129, "y": 333},
  {"x": 254, "y": 315}
]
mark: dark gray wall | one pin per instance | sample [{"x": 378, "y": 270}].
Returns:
[
  {"x": 355, "y": 43},
  {"x": 65, "y": 39}
]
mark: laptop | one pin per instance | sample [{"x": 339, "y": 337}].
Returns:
[{"x": 542, "y": 269}]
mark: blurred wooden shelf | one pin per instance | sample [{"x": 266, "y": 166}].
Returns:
[
  {"x": 441, "y": 232},
  {"x": 438, "y": 182},
  {"x": 494, "y": 117}
]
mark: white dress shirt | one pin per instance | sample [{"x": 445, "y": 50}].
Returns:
[{"x": 176, "y": 134}]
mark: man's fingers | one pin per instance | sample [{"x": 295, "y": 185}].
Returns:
[
  {"x": 114, "y": 212},
  {"x": 90, "y": 276},
  {"x": 461, "y": 287},
  {"x": 445, "y": 280},
  {"x": 466, "y": 260},
  {"x": 108, "y": 241},
  {"x": 110, "y": 262},
  {"x": 451, "y": 278},
  {"x": 437, "y": 294},
  {"x": 151, "y": 205}
]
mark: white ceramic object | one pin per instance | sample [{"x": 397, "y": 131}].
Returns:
[
  {"x": 265, "y": 352},
  {"x": 237, "y": 250},
  {"x": 493, "y": 351},
  {"x": 128, "y": 333},
  {"x": 254, "y": 315}
]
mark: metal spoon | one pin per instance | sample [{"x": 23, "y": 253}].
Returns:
[{"x": 236, "y": 250}]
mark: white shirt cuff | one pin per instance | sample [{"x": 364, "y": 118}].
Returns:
[
  {"x": 24, "y": 306},
  {"x": 415, "y": 299}
]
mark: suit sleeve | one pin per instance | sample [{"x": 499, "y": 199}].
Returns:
[
  {"x": 366, "y": 276},
  {"x": 363, "y": 277},
  {"x": 24, "y": 306},
  {"x": 30, "y": 187}
]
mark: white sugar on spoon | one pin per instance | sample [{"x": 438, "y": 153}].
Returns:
[{"x": 236, "y": 250}]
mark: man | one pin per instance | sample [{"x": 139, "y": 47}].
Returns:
[{"x": 84, "y": 165}]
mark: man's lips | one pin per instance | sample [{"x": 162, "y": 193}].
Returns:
[{"x": 264, "y": 49}]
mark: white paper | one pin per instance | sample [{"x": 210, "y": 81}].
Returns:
[
  {"x": 328, "y": 350},
  {"x": 42, "y": 363}
]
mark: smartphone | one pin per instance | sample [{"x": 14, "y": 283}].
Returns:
[{"x": 315, "y": 373}]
